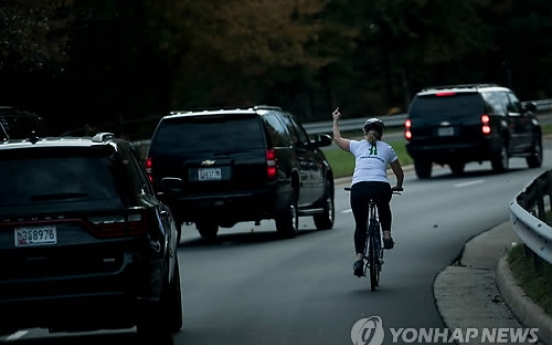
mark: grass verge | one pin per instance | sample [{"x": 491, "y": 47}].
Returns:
[{"x": 535, "y": 282}]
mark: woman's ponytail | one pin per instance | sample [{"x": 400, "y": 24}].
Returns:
[{"x": 371, "y": 138}]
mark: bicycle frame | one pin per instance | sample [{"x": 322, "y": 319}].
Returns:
[{"x": 373, "y": 253}]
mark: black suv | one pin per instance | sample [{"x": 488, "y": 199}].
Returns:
[
  {"x": 227, "y": 166},
  {"x": 84, "y": 242},
  {"x": 456, "y": 124},
  {"x": 19, "y": 124}
]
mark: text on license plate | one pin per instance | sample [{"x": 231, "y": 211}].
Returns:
[
  {"x": 445, "y": 131},
  {"x": 35, "y": 235},
  {"x": 209, "y": 174}
]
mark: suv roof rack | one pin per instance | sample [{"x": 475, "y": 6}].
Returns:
[
  {"x": 103, "y": 136},
  {"x": 460, "y": 86},
  {"x": 228, "y": 108},
  {"x": 205, "y": 110},
  {"x": 267, "y": 107}
]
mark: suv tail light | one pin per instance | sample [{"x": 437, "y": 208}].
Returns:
[
  {"x": 485, "y": 124},
  {"x": 407, "y": 129},
  {"x": 117, "y": 225},
  {"x": 445, "y": 93},
  {"x": 149, "y": 164},
  {"x": 271, "y": 164}
]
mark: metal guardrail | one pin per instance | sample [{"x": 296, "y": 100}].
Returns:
[{"x": 528, "y": 216}]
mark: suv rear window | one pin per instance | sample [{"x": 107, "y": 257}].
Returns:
[
  {"x": 209, "y": 133},
  {"x": 29, "y": 178},
  {"x": 456, "y": 106}
]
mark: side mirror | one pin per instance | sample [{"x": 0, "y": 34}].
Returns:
[
  {"x": 170, "y": 186},
  {"x": 321, "y": 140},
  {"x": 531, "y": 106}
]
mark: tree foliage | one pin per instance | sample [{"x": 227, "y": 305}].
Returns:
[
  {"x": 132, "y": 59},
  {"x": 34, "y": 35}
]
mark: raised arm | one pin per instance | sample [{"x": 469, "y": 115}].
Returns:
[{"x": 341, "y": 142}]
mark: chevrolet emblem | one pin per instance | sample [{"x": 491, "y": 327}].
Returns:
[{"x": 208, "y": 162}]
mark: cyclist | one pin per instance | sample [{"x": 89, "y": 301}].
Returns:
[{"x": 372, "y": 157}]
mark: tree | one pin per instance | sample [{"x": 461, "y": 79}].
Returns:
[
  {"x": 416, "y": 39},
  {"x": 34, "y": 35},
  {"x": 244, "y": 46}
]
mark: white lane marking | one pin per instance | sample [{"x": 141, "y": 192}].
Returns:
[
  {"x": 16, "y": 335},
  {"x": 470, "y": 183},
  {"x": 347, "y": 211}
]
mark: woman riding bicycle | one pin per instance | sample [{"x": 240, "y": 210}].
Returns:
[{"x": 372, "y": 157}]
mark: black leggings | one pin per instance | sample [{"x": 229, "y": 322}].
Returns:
[{"x": 361, "y": 192}]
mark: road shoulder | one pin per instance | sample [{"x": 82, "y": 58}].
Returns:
[{"x": 477, "y": 291}]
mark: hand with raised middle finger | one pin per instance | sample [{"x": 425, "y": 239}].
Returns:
[{"x": 336, "y": 114}]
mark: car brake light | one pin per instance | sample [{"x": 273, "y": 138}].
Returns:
[
  {"x": 149, "y": 164},
  {"x": 271, "y": 164},
  {"x": 485, "y": 120},
  {"x": 445, "y": 94},
  {"x": 117, "y": 225},
  {"x": 407, "y": 131}
]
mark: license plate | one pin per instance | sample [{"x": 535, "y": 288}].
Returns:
[
  {"x": 35, "y": 235},
  {"x": 445, "y": 131},
  {"x": 210, "y": 174}
]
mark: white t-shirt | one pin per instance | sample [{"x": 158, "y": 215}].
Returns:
[{"x": 371, "y": 162}]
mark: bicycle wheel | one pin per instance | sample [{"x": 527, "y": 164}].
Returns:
[{"x": 373, "y": 260}]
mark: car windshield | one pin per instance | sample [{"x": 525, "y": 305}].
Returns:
[
  {"x": 209, "y": 133},
  {"x": 42, "y": 178},
  {"x": 454, "y": 106}
]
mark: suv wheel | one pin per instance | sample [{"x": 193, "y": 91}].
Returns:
[
  {"x": 457, "y": 168},
  {"x": 174, "y": 302},
  {"x": 179, "y": 226},
  {"x": 207, "y": 229},
  {"x": 287, "y": 222},
  {"x": 152, "y": 326},
  {"x": 500, "y": 162},
  {"x": 535, "y": 159},
  {"x": 325, "y": 220},
  {"x": 422, "y": 168}
]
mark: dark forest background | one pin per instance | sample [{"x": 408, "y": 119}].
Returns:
[{"x": 120, "y": 65}]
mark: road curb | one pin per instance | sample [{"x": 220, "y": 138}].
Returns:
[{"x": 527, "y": 312}]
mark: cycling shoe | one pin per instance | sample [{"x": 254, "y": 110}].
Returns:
[{"x": 358, "y": 268}]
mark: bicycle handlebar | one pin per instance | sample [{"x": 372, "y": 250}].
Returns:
[{"x": 395, "y": 191}]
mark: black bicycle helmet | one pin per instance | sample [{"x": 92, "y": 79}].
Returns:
[{"x": 375, "y": 124}]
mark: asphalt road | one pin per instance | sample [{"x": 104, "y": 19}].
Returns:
[{"x": 252, "y": 288}]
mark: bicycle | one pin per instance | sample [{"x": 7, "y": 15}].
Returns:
[{"x": 373, "y": 260}]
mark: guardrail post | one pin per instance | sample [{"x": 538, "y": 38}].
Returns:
[
  {"x": 549, "y": 191},
  {"x": 522, "y": 201},
  {"x": 537, "y": 261},
  {"x": 540, "y": 199}
]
